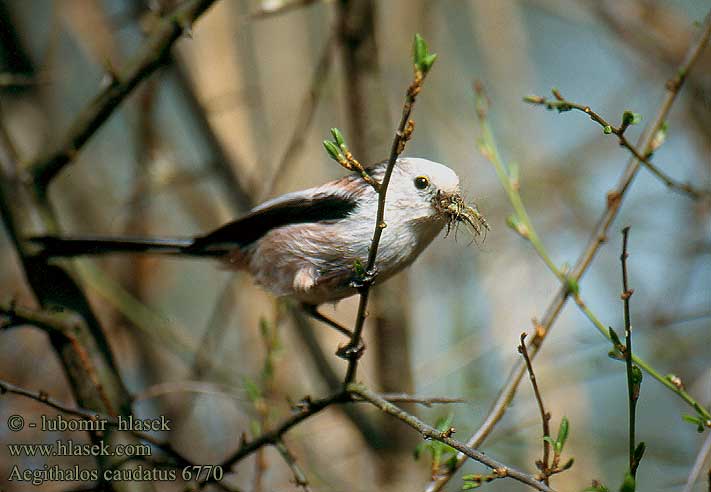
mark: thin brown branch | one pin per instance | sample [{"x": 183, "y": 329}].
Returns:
[
  {"x": 353, "y": 350},
  {"x": 370, "y": 432},
  {"x": 305, "y": 409},
  {"x": 90, "y": 415},
  {"x": 429, "y": 432},
  {"x": 427, "y": 401},
  {"x": 545, "y": 416},
  {"x": 66, "y": 325},
  {"x": 353, "y": 393},
  {"x": 562, "y": 105},
  {"x": 599, "y": 235},
  {"x": 305, "y": 116},
  {"x": 151, "y": 56},
  {"x": 296, "y": 471}
]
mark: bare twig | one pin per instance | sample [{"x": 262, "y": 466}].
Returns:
[
  {"x": 152, "y": 55},
  {"x": 305, "y": 116},
  {"x": 355, "y": 392},
  {"x": 305, "y": 409},
  {"x": 701, "y": 458},
  {"x": 429, "y": 432},
  {"x": 298, "y": 474},
  {"x": 65, "y": 324},
  {"x": 599, "y": 235},
  {"x": 427, "y": 401},
  {"x": 545, "y": 416},
  {"x": 561, "y": 104},
  {"x": 353, "y": 350},
  {"x": 634, "y": 374}
]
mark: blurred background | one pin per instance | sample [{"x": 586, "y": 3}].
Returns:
[{"x": 237, "y": 115}]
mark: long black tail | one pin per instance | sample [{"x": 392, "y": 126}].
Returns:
[{"x": 53, "y": 246}]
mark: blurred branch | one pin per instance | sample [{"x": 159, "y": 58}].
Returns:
[
  {"x": 305, "y": 116},
  {"x": 371, "y": 434},
  {"x": 426, "y": 401},
  {"x": 221, "y": 163},
  {"x": 90, "y": 415},
  {"x": 701, "y": 458},
  {"x": 298, "y": 474},
  {"x": 85, "y": 355},
  {"x": 562, "y": 105},
  {"x": 151, "y": 56},
  {"x": 599, "y": 235},
  {"x": 307, "y": 408},
  {"x": 429, "y": 432},
  {"x": 65, "y": 324},
  {"x": 304, "y": 409}
]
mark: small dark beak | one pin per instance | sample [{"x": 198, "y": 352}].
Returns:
[{"x": 458, "y": 211}]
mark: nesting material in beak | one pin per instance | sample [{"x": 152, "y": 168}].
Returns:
[{"x": 459, "y": 212}]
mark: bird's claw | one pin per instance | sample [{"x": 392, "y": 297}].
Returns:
[
  {"x": 365, "y": 278},
  {"x": 351, "y": 351}
]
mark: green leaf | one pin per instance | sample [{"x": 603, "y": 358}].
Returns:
[
  {"x": 698, "y": 421},
  {"x": 563, "y": 432},
  {"x": 659, "y": 138},
  {"x": 358, "y": 268},
  {"x": 422, "y": 57},
  {"x": 255, "y": 427},
  {"x": 444, "y": 423},
  {"x": 615, "y": 355},
  {"x": 572, "y": 285},
  {"x": 338, "y": 137},
  {"x": 419, "y": 49},
  {"x": 607, "y": 129},
  {"x": 333, "y": 151},
  {"x": 568, "y": 464},
  {"x": 637, "y": 375},
  {"x": 549, "y": 440},
  {"x": 628, "y": 484},
  {"x": 471, "y": 485},
  {"x": 451, "y": 463},
  {"x": 630, "y": 118},
  {"x": 638, "y": 454},
  {"x": 418, "y": 450},
  {"x": 615, "y": 339},
  {"x": 428, "y": 61},
  {"x": 252, "y": 389},
  {"x": 513, "y": 222}
]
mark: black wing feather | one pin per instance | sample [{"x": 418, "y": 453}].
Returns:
[{"x": 254, "y": 225}]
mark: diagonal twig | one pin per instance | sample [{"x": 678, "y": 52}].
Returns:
[
  {"x": 152, "y": 55},
  {"x": 429, "y": 432},
  {"x": 562, "y": 105},
  {"x": 402, "y": 135}
]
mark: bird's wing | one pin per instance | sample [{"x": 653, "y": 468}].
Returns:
[{"x": 326, "y": 203}]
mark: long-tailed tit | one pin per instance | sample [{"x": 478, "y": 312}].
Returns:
[{"x": 307, "y": 244}]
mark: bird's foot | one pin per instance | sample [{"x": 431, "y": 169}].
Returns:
[
  {"x": 351, "y": 351},
  {"x": 365, "y": 278}
]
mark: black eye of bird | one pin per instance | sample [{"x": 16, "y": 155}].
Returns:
[{"x": 421, "y": 182}]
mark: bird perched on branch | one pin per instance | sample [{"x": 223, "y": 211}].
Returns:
[{"x": 311, "y": 244}]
